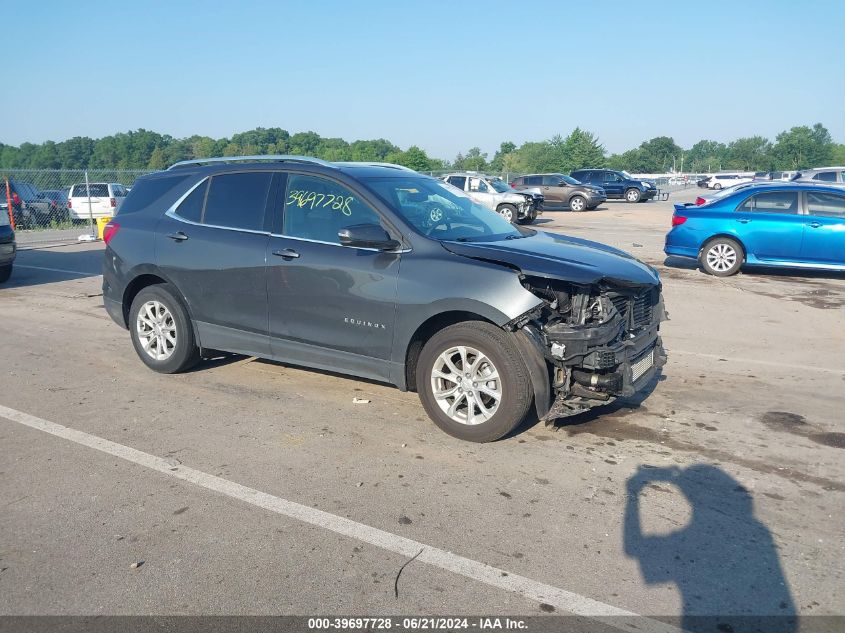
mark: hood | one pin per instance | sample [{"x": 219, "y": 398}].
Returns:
[{"x": 561, "y": 257}]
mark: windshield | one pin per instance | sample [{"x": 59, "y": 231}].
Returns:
[
  {"x": 569, "y": 180},
  {"x": 440, "y": 211},
  {"x": 500, "y": 185},
  {"x": 626, "y": 175}
]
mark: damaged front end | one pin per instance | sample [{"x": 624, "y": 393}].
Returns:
[{"x": 600, "y": 341}]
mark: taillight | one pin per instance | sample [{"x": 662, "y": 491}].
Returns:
[
  {"x": 113, "y": 202},
  {"x": 109, "y": 231},
  {"x": 699, "y": 201},
  {"x": 678, "y": 219},
  {"x": 69, "y": 203}
]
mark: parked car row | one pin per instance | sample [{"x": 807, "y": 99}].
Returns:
[
  {"x": 32, "y": 208},
  {"x": 780, "y": 224}
]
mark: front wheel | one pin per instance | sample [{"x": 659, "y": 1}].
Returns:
[
  {"x": 473, "y": 382},
  {"x": 577, "y": 203},
  {"x": 507, "y": 211},
  {"x": 633, "y": 195},
  {"x": 161, "y": 331},
  {"x": 721, "y": 257}
]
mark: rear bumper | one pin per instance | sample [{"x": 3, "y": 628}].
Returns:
[
  {"x": 115, "y": 310},
  {"x": 681, "y": 251}
]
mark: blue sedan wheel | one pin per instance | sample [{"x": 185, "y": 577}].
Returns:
[{"x": 721, "y": 257}]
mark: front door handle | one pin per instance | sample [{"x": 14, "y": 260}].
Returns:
[
  {"x": 815, "y": 225},
  {"x": 287, "y": 253},
  {"x": 743, "y": 220},
  {"x": 178, "y": 236}
]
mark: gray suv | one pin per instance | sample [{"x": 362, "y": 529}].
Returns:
[
  {"x": 561, "y": 191},
  {"x": 377, "y": 271}
]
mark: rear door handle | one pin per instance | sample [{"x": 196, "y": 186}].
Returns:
[
  {"x": 743, "y": 220},
  {"x": 815, "y": 225},
  {"x": 178, "y": 236},
  {"x": 287, "y": 253}
]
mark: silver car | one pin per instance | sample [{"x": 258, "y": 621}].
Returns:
[{"x": 827, "y": 175}]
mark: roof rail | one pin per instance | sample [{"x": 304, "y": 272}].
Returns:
[
  {"x": 367, "y": 163},
  {"x": 269, "y": 157}
]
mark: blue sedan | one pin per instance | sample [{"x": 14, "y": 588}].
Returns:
[{"x": 794, "y": 225}]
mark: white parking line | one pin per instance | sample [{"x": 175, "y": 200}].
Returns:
[
  {"x": 533, "y": 590},
  {"x": 60, "y": 270}
]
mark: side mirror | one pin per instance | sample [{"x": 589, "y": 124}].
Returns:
[{"x": 367, "y": 236}]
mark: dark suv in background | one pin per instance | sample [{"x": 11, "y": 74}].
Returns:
[
  {"x": 561, "y": 191},
  {"x": 377, "y": 271},
  {"x": 617, "y": 184}
]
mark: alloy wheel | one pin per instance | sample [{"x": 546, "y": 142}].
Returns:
[
  {"x": 721, "y": 257},
  {"x": 156, "y": 330},
  {"x": 466, "y": 385}
]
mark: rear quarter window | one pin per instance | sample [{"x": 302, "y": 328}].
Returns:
[{"x": 147, "y": 192}]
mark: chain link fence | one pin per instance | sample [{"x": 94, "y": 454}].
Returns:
[{"x": 62, "y": 200}]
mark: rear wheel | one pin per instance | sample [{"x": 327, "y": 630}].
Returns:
[
  {"x": 161, "y": 331},
  {"x": 721, "y": 257},
  {"x": 577, "y": 203},
  {"x": 633, "y": 195},
  {"x": 507, "y": 211},
  {"x": 473, "y": 382},
  {"x": 5, "y": 273},
  {"x": 718, "y": 185}
]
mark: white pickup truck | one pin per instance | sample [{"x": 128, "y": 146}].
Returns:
[{"x": 521, "y": 207}]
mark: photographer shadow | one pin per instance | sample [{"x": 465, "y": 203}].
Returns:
[{"x": 724, "y": 562}]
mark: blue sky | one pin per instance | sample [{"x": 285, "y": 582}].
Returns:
[{"x": 443, "y": 75}]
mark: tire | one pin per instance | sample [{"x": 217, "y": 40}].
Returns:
[
  {"x": 468, "y": 341},
  {"x": 721, "y": 257},
  {"x": 183, "y": 353},
  {"x": 717, "y": 186},
  {"x": 577, "y": 203},
  {"x": 5, "y": 273},
  {"x": 632, "y": 195},
  {"x": 507, "y": 211},
  {"x": 592, "y": 208}
]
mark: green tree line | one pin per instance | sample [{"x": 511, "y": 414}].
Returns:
[{"x": 800, "y": 147}]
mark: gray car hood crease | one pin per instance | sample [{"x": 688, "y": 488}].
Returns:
[{"x": 561, "y": 257}]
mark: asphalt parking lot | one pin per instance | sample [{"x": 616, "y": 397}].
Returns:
[{"x": 724, "y": 487}]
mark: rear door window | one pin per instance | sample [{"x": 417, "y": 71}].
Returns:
[
  {"x": 551, "y": 181},
  {"x": 317, "y": 208},
  {"x": 238, "y": 201},
  {"x": 533, "y": 180},
  {"x": 827, "y": 205},
  {"x": 772, "y": 202}
]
